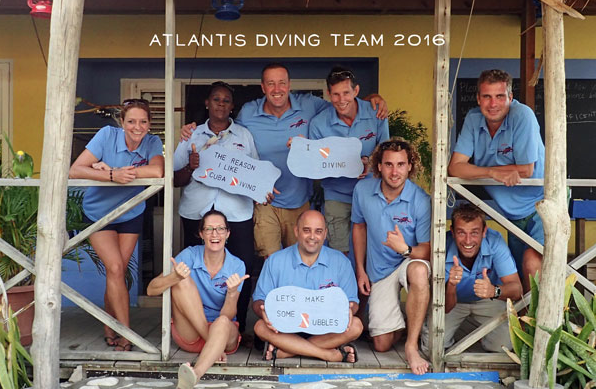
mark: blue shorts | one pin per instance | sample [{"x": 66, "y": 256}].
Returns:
[
  {"x": 132, "y": 226},
  {"x": 531, "y": 225}
]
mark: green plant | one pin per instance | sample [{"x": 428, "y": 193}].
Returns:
[
  {"x": 576, "y": 363},
  {"x": 400, "y": 125},
  {"x": 13, "y": 356}
]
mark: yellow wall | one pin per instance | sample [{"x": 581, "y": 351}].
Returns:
[{"x": 405, "y": 73}]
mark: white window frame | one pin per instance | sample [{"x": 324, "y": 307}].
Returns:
[{"x": 6, "y": 114}]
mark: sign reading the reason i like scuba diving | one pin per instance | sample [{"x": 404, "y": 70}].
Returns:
[
  {"x": 236, "y": 173},
  {"x": 292, "y": 309},
  {"x": 333, "y": 156}
]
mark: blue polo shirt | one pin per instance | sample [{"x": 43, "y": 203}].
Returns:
[
  {"x": 366, "y": 127},
  {"x": 212, "y": 290},
  {"x": 494, "y": 255},
  {"x": 109, "y": 146},
  {"x": 516, "y": 142},
  {"x": 197, "y": 198},
  {"x": 410, "y": 211},
  {"x": 285, "y": 267},
  {"x": 271, "y": 135}
]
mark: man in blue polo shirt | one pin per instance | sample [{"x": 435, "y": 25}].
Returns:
[
  {"x": 503, "y": 137},
  {"x": 273, "y": 120},
  {"x": 308, "y": 264},
  {"x": 349, "y": 117},
  {"x": 391, "y": 235},
  {"x": 480, "y": 276}
]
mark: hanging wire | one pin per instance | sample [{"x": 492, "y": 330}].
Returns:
[{"x": 39, "y": 42}]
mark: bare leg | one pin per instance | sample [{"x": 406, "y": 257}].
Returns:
[
  {"x": 532, "y": 264},
  {"x": 384, "y": 342},
  {"x": 187, "y": 311},
  {"x": 416, "y": 305},
  {"x": 321, "y": 346},
  {"x": 223, "y": 336}
]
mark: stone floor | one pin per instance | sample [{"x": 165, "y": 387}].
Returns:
[{"x": 386, "y": 381}]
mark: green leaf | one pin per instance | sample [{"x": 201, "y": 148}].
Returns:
[
  {"x": 524, "y": 336},
  {"x": 550, "y": 351},
  {"x": 572, "y": 364},
  {"x": 569, "y": 283},
  {"x": 586, "y": 330},
  {"x": 583, "y": 306},
  {"x": 524, "y": 369},
  {"x": 514, "y": 322}
]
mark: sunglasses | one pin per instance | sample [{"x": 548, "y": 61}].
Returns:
[
  {"x": 344, "y": 74},
  {"x": 224, "y": 84},
  {"x": 135, "y": 101}
]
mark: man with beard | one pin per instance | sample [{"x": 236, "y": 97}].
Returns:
[
  {"x": 480, "y": 276},
  {"x": 391, "y": 235}
]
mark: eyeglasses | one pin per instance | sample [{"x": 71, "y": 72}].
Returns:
[
  {"x": 219, "y": 229},
  {"x": 224, "y": 84},
  {"x": 344, "y": 74},
  {"x": 135, "y": 101}
]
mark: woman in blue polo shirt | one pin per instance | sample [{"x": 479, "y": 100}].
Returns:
[
  {"x": 118, "y": 155},
  {"x": 196, "y": 198},
  {"x": 210, "y": 277}
]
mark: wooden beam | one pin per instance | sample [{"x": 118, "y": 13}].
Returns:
[
  {"x": 109, "y": 355},
  {"x": 16, "y": 279},
  {"x": 80, "y": 182},
  {"x": 168, "y": 235},
  {"x": 439, "y": 188},
  {"x": 587, "y": 182},
  {"x": 528, "y": 54},
  {"x": 553, "y": 209},
  {"x": 63, "y": 60}
]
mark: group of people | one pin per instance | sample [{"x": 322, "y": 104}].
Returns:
[{"x": 377, "y": 225}]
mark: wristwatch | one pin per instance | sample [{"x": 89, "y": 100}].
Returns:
[
  {"x": 497, "y": 293},
  {"x": 406, "y": 254}
]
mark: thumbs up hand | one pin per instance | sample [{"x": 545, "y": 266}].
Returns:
[
  {"x": 234, "y": 282},
  {"x": 456, "y": 272},
  {"x": 483, "y": 288},
  {"x": 180, "y": 268},
  {"x": 193, "y": 158},
  {"x": 395, "y": 240}
]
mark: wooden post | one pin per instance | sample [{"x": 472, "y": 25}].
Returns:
[
  {"x": 553, "y": 209},
  {"x": 63, "y": 59},
  {"x": 168, "y": 176},
  {"x": 439, "y": 183},
  {"x": 528, "y": 54}
]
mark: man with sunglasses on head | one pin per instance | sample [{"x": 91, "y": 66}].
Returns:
[
  {"x": 273, "y": 121},
  {"x": 348, "y": 117},
  {"x": 502, "y": 136},
  {"x": 391, "y": 234}
]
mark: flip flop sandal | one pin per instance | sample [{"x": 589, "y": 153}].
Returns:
[
  {"x": 345, "y": 354},
  {"x": 111, "y": 341},
  {"x": 125, "y": 347},
  {"x": 273, "y": 353},
  {"x": 186, "y": 377}
]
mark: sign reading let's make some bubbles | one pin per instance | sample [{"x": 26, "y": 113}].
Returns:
[
  {"x": 333, "y": 156},
  {"x": 292, "y": 309},
  {"x": 236, "y": 173}
]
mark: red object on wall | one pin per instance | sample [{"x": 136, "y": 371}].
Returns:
[{"x": 40, "y": 8}]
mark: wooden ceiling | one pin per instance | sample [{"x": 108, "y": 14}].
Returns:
[{"x": 379, "y": 7}]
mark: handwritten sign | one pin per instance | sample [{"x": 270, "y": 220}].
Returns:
[
  {"x": 293, "y": 309},
  {"x": 236, "y": 173},
  {"x": 333, "y": 156}
]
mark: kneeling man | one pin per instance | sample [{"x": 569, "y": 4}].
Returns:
[
  {"x": 308, "y": 264},
  {"x": 480, "y": 275}
]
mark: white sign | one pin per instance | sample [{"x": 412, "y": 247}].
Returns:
[
  {"x": 236, "y": 173},
  {"x": 333, "y": 156}
]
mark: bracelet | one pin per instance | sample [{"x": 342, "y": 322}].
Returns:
[{"x": 111, "y": 176}]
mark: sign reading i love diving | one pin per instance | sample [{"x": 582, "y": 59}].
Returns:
[
  {"x": 293, "y": 309},
  {"x": 333, "y": 156},
  {"x": 236, "y": 173}
]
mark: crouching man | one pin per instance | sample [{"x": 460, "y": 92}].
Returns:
[
  {"x": 308, "y": 264},
  {"x": 480, "y": 276}
]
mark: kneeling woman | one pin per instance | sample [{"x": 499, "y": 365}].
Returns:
[{"x": 211, "y": 277}]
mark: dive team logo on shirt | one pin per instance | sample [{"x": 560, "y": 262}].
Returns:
[
  {"x": 142, "y": 162},
  {"x": 220, "y": 285},
  {"x": 402, "y": 219},
  {"x": 329, "y": 284},
  {"x": 239, "y": 146},
  {"x": 505, "y": 149},
  {"x": 299, "y": 123},
  {"x": 368, "y": 136}
]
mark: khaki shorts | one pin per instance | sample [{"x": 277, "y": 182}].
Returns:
[
  {"x": 337, "y": 217},
  {"x": 274, "y": 227},
  {"x": 384, "y": 313}
]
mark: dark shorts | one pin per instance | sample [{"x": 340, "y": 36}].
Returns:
[{"x": 132, "y": 226}]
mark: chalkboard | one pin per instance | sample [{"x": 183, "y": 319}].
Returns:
[{"x": 581, "y": 124}]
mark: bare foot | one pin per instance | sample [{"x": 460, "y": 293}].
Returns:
[
  {"x": 223, "y": 358},
  {"x": 347, "y": 353},
  {"x": 418, "y": 364}
]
